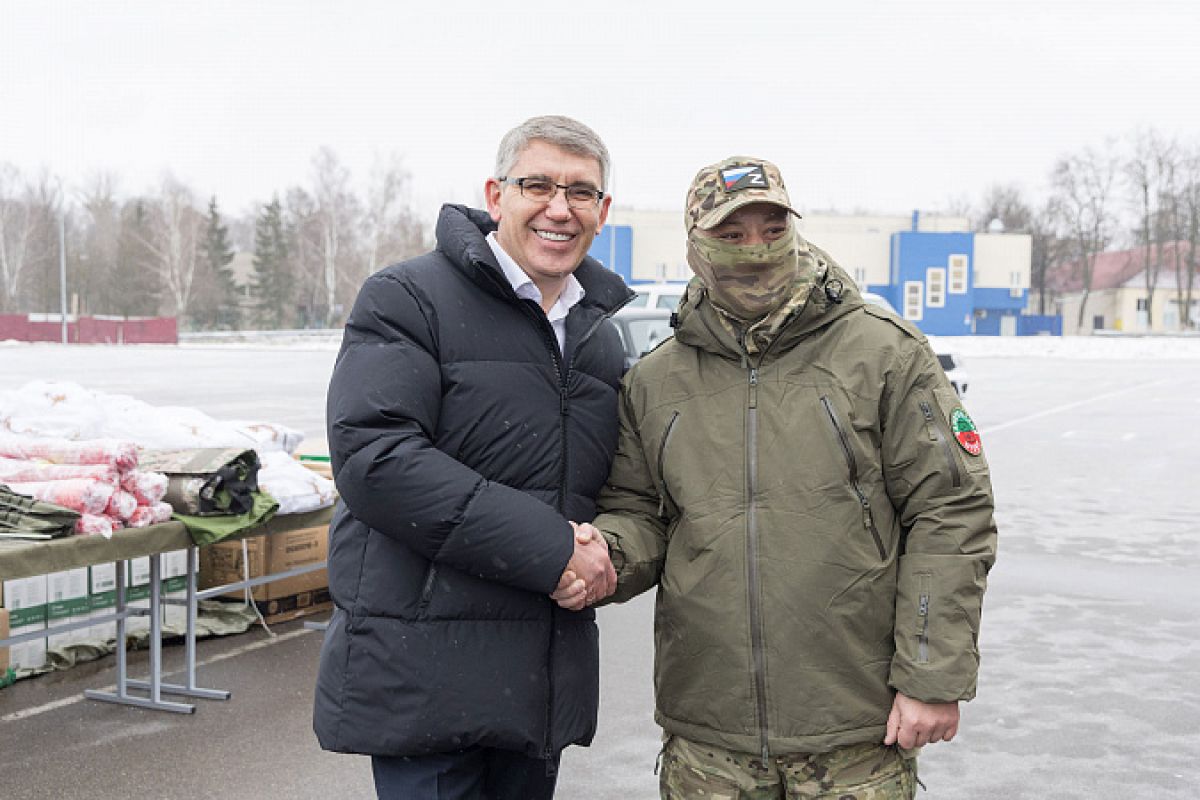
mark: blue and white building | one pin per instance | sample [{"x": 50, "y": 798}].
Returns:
[{"x": 939, "y": 274}]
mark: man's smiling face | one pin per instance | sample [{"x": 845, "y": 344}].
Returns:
[{"x": 547, "y": 240}]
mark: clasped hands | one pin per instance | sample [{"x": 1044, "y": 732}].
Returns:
[{"x": 589, "y": 576}]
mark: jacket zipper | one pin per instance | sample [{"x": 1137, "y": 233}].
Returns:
[
  {"x": 665, "y": 494},
  {"x": 852, "y": 464},
  {"x": 936, "y": 434},
  {"x": 923, "y": 620},
  {"x": 756, "y": 633},
  {"x": 563, "y": 376}
]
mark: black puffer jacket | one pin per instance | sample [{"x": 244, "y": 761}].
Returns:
[{"x": 462, "y": 443}]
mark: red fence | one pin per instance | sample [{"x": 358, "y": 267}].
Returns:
[{"x": 89, "y": 330}]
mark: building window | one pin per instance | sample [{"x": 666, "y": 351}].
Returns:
[
  {"x": 1098, "y": 322},
  {"x": 1141, "y": 304},
  {"x": 914, "y": 300},
  {"x": 860, "y": 277},
  {"x": 935, "y": 282},
  {"x": 1014, "y": 284},
  {"x": 958, "y": 274}
]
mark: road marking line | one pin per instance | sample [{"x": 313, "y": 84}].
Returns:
[
  {"x": 66, "y": 701},
  {"x": 1020, "y": 420}
]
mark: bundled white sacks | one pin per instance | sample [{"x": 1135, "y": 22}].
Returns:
[
  {"x": 68, "y": 411},
  {"x": 98, "y": 478}
]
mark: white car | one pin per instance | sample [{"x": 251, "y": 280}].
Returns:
[
  {"x": 657, "y": 295},
  {"x": 642, "y": 329},
  {"x": 952, "y": 363}
]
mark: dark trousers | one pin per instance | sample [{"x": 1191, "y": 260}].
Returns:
[{"x": 477, "y": 773}]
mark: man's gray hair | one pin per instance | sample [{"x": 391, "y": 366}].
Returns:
[{"x": 571, "y": 135}]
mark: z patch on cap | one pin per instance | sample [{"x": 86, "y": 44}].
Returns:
[
  {"x": 965, "y": 432},
  {"x": 737, "y": 178}
]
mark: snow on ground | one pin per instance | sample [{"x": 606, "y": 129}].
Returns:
[
  {"x": 1100, "y": 347},
  {"x": 1088, "y": 348}
]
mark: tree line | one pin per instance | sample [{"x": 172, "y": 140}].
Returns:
[
  {"x": 167, "y": 252},
  {"x": 1139, "y": 193},
  {"x": 170, "y": 252}
]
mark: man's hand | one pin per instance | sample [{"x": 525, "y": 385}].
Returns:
[
  {"x": 913, "y": 723},
  {"x": 589, "y": 576}
]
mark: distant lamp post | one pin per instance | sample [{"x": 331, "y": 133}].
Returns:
[{"x": 62, "y": 270}]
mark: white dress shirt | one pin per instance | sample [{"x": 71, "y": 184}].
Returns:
[{"x": 525, "y": 288}]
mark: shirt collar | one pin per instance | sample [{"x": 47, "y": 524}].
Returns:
[{"x": 526, "y": 289}]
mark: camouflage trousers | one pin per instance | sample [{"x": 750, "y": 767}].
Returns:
[{"x": 856, "y": 772}]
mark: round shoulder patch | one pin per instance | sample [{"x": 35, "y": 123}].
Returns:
[{"x": 964, "y": 432}]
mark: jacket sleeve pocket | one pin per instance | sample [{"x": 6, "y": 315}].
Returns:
[{"x": 938, "y": 603}]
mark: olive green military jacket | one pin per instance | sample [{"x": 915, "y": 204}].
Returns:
[{"x": 818, "y": 534}]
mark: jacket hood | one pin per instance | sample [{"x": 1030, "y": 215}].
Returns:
[
  {"x": 833, "y": 295},
  {"x": 462, "y": 235}
]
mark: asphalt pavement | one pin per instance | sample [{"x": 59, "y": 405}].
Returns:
[{"x": 1090, "y": 640}]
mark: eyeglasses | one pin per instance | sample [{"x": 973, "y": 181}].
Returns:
[{"x": 541, "y": 190}]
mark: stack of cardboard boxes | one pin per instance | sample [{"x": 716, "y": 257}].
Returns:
[
  {"x": 32, "y": 604},
  {"x": 229, "y": 562},
  {"x": 77, "y": 595}
]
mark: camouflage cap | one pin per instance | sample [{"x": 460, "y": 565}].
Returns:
[{"x": 722, "y": 188}]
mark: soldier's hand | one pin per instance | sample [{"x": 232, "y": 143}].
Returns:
[
  {"x": 592, "y": 563},
  {"x": 914, "y": 723},
  {"x": 571, "y": 592}
]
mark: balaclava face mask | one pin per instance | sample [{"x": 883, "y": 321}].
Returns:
[{"x": 748, "y": 281}]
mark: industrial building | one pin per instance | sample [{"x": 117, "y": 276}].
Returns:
[{"x": 945, "y": 278}]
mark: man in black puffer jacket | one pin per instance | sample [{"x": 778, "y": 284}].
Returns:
[{"x": 472, "y": 415}]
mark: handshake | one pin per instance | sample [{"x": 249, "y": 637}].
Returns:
[{"x": 589, "y": 576}]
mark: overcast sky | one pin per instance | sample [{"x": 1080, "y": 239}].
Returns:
[{"x": 879, "y": 106}]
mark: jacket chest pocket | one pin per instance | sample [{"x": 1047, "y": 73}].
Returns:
[
  {"x": 666, "y": 503},
  {"x": 854, "y": 470}
]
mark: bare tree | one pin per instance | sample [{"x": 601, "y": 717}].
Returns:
[
  {"x": 95, "y": 261},
  {"x": 1083, "y": 187},
  {"x": 1150, "y": 174},
  {"x": 1189, "y": 218},
  {"x": 1047, "y": 250},
  {"x": 391, "y": 231},
  {"x": 1006, "y": 203},
  {"x": 47, "y": 209},
  {"x": 175, "y": 226},
  {"x": 26, "y": 206},
  {"x": 336, "y": 214}
]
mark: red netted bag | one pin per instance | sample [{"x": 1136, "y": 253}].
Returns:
[
  {"x": 15, "y": 469},
  {"x": 93, "y": 525},
  {"x": 147, "y": 487},
  {"x": 78, "y": 494},
  {"x": 113, "y": 452},
  {"x": 121, "y": 505}
]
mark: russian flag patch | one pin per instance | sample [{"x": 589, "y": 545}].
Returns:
[{"x": 737, "y": 178}]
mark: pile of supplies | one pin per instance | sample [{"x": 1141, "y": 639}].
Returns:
[
  {"x": 99, "y": 479},
  {"x": 80, "y": 449}
]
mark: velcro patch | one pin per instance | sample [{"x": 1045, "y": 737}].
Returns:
[
  {"x": 737, "y": 178},
  {"x": 965, "y": 432}
]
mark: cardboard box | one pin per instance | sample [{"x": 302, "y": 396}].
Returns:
[
  {"x": 25, "y": 598},
  {"x": 282, "y": 609},
  {"x": 66, "y": 601},
  {"x": 225, "y": 562},
  {"x": 102, "y": 600},
  {"x": 3, "y": 635}
]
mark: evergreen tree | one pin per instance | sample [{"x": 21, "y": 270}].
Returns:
[
  {"x": 270, "y": 282},
  {"x": 133, "y": 289},
  {"x": 216, "y": 305}
]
